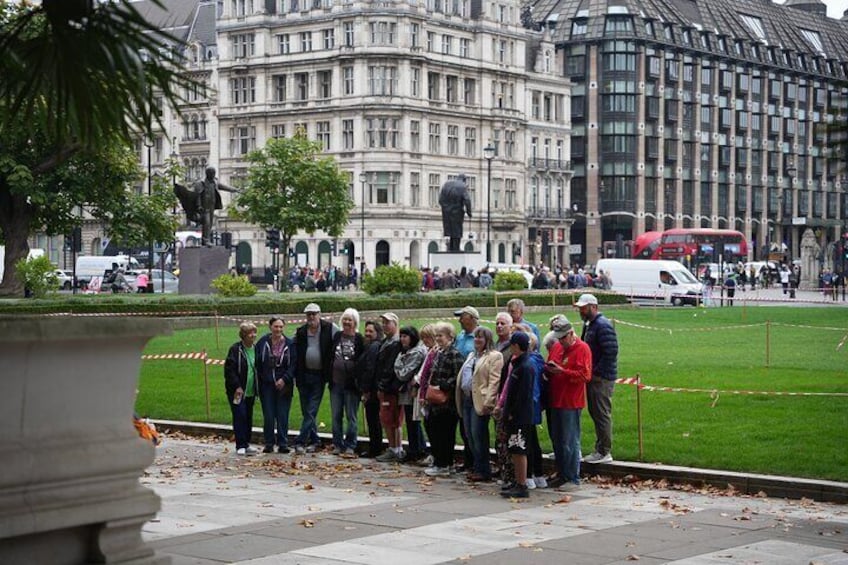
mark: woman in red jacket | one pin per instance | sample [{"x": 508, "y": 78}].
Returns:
[{"x": 568, "y": 369}]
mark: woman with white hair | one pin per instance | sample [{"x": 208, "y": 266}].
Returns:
[{"x": 348, "y": 345}]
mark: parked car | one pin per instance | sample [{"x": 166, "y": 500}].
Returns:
[
  {"x": 172, "y": 282},
  {"x": 65, "y": 278}
]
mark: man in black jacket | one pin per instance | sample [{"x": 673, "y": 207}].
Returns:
[
  {"x": 599, "y": 334},
  {"x": 313, "y": 371}
]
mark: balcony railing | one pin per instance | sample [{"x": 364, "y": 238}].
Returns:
[
  {"x": 542, "y": 163},
  {"x": 541, "y": 213}
]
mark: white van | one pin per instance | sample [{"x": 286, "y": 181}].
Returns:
[
  {"x": 667, "y": 281},
  {"x": 97, "y": 265}
]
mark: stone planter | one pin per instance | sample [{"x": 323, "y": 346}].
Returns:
[{"x": 69, "y": 488}]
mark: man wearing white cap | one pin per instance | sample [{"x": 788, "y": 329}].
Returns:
[
  {"x": 599, "y": 334},
  {"x": 313, "y": 371}
]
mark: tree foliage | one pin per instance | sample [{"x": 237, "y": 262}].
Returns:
[
  {"x": 291, "y": 187},
  {"x": 76, "y": 88},
  {"x": 37, "y": 275},
  {"x": 392, "y": 279}
]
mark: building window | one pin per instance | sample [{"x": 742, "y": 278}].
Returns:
[
  {"x": 464, "y": 48},
  {"x": 347, "y": 28},
  {"x": 278, "y": 131},
  {"x": 242, "y": 90},
  {"x": 383, "y": 33},
  {"x": 329, "y": 38},
  {"x": 433, "y": 80},
  {"x": 509, "y": 143},
  {"x": 451, "y": 87},
  {"x": 280, "y": 92},
  {"x": 323, "y": 135},
  {"x": 434, "y": 184},
  {"x": 431, "y": 38},
  {"x": 283, "y": 44},
  {"x": 435, "y": 138},
  {"x": 447, "y": 44},
  {"x": 382, "y": 132},
  {"x": 242, "y": 140},
  {"x": 347, "y": 73},
  {"x": 453, "y": 140},
  {"x": 469, "y": 87},
  {"x": 415, "y": 136},
  {"x": 301, "y": 82},
  {"x": 384, "y": 188},
  {"x": 243, "y": 45},
  {"x": 347, "y": 134},
  {"x": 325, "y": 84},
  {"x": 415, "y": 189},
  {"x": 415, "y": 35},
  {"x": 471, "y": 142},
  {"x": 415, "y": 82},
  {"x": 306, "y": 41},
  {"x": 382, "y": 80}
]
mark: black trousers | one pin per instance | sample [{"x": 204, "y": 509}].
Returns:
[
  {"x": 441, "y": 429},
  {"x": 375, "y": 430}
]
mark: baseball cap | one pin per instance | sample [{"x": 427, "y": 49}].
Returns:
[
  {"x": 521, "y": 339},
  {"x": 312, "y": 308},
  {"x": 586, "y": 299},
  {"x": 560, "y": 326},
  {"x": 391, "y": 316},
  {"x": 468, "y": 310}
]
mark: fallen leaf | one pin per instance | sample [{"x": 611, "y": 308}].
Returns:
[
  {"x": 307, "y": 523},
  {"x": 633, "y": 558}
]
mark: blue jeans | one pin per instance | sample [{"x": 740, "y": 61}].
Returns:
[
  {"x": 565, "y": 437},
  {"x": 242, "y": 420},
  {"x": 344, "y": 405},
  {"x": 310, "y": 387},
  {"x": 477, "y": 432},
  {"x": 275, "y": 412}
]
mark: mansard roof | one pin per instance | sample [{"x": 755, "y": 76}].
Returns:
[{"x": 795, "y": 27}]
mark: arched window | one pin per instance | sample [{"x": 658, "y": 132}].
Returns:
[
  {"x": 469, "y": 247},
  {"x": 501, "y": 253},
  {"x": 301, "y": 251},
  {"x": 433, "y": 247},
  {"x": 383, "y": 255},
  {"x": 414, "y": 255},
  {"x": 324, "y": 254}
]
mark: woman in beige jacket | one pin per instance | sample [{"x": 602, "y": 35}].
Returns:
[{"x": 476, "y": 395}]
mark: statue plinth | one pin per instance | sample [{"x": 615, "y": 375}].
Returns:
[
  {"x": 199, "y": 266},
  {"x": 456, "y": 260},
  {"x": 69, "y": 490}
]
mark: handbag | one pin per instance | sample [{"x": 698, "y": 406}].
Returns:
[{"x": 435, "y": 396}]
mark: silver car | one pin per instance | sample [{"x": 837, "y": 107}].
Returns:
[
  {"x": 65, "y": 278},
  {"x": 172, "y": 283}
]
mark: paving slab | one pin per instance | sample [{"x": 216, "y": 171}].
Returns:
[{"x": 320, "y": 509}]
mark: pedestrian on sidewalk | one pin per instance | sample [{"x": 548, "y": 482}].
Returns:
[
  {"x": 601, "y": 338},
  {"x": 388, "y": 389},
  {"x": 240, "y": 380},
  {"x": 348, "y": 346},
  {"x": 367, "y": 384},
  {"x": 516, "y": 410},
  {"x": 442, "y": 416},
  {"x": 275, "y": 361}
]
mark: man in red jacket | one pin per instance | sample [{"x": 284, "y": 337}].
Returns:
[{"x": 568, "y": 369}]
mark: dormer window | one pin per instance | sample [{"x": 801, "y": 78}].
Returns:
[{"x": 579, "y": 27}]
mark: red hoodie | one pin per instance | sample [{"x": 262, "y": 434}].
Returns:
[{"x": 567, "y": 389}]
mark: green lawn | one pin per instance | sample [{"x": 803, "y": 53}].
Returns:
[{"x": 715, "y": 349}]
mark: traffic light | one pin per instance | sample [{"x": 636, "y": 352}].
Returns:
[
  {"x": 73, "y": 241},
  {"x": 335, "y": 247},
  {"x": 272, "y": 238},
  {"x": 226, "y": 239}
]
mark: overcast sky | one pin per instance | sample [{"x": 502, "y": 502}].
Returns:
[{"x": 835, "y": 8}]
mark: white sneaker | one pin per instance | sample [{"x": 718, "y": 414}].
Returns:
[
  {"x": 598, "y": 458},
  {"x": 240, "y": 451},
  {"x": 437, "y": 471},
  {"x": 530, "y": 484},
  {"x": 568, "y": 487},
  {"x": 251, "y": 451},
  {"x": 541, "y": 482}
]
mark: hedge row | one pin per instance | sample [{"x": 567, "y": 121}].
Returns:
[{"x": 285, "y": 303}]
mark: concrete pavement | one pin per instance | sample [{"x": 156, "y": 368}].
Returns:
[{"x": 318, "y": 508}]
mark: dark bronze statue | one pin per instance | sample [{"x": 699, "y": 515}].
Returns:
[
  {"x": 454, "y": 200},
  {"x": 201, "y": 201}
]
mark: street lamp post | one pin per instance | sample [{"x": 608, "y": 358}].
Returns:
[
  {"x": 149, "y": 142},
  {"x": 363, "y": 178},
  {"x": 174, "y": 158},
  {"x": 489, "y": 154}
]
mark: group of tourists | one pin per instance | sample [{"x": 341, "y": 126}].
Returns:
[{"x": 433, "y": 380}]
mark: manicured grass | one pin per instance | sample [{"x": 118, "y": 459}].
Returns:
[{"x": 714, "y": 349}]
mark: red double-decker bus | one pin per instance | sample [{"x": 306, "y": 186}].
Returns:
[{"x": 692, "y": 246}]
